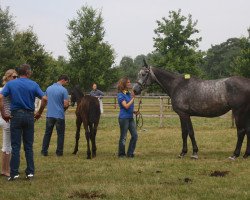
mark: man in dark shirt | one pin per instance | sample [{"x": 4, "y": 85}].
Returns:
[
  {"x": 97, "y": 93},
  {"x": 22, "y": 92}
]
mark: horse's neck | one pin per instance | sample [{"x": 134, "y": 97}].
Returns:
[
  {"x": 79, "y": 97},
  {"x": 165, "y": 79}
]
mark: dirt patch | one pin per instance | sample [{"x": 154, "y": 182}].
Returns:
[
  {"x": 87, "y": 195},
  {"x": 219, "y": 173},
  {"x": 187, "y": 180}
]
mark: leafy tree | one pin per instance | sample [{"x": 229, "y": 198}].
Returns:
[
  {"x": 7, "y": 29},
  {"x": 128, "y": 68},
  {"x": 176, "y": 45},
  {"x": 242, "y": 61},
  {"x": 219, "y": 59},
  {"x": 27, "y": 49},
  {"x": 91, "y": 58}
]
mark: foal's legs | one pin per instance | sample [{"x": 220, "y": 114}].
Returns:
[
  {"x": 93, "y": 140},
  {"x": 87, "y": 135},
  {"x": 78, "y": 128}
]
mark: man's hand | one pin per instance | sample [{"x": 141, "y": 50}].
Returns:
[
  {"x": 37, "y": 115},
  {"x": 6, "y": 117}
]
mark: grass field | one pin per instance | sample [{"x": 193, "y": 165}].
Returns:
[{"x": 155, "y": 172}]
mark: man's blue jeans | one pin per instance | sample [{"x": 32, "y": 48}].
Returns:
[
  {"x": 60, "y": 128},
  {"x": 125, "y": 125},
  {"x": 22, "y": 125}
]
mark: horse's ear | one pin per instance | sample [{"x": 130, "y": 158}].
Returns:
[{"x": 145, "y": 63}]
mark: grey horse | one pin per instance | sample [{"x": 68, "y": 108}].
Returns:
[{"x": 191, "y": 96}]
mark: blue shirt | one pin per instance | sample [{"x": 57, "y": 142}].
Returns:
[
  {"x": 56, "y": 94},
  {"x": 125, "y": 113},
  {"x": 22, "y": 92}
]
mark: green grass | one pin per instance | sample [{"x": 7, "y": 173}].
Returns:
[{"x": 155, "y": 173}]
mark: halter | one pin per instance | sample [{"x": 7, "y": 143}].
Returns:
[{"x": 143, "y": 84}]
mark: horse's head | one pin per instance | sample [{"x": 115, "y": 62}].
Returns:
[
  {"x": 76, "y": 95},
  {"x": 144, "y": 79}
]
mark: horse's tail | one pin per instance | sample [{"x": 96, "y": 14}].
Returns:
[{"x": 94, "y": 110}]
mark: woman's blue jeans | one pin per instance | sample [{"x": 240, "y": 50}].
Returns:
[{"x": 125, "y": 125}]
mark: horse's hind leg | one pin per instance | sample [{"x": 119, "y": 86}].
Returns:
[
  {"x": 93, "y": 140},
  {"x": 247, "y": 153},
  {"x": 87, "y": 135},
  {"x": 77, "y": 137},
  {"x": 239, "y": 121}
]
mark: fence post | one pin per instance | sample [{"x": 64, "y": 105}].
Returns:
[
  {"x": 233, "y": 122},
  {"x": 161, "y": 112},
  {"x": 115, "y": 102}
]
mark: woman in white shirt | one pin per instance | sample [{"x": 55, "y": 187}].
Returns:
[{"x": 6, "y": 148}]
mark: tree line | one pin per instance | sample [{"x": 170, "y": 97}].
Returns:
[{"x": 91, "y": 59}]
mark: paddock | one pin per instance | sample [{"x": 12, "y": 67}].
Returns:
[{"x": 155, "y": 173}]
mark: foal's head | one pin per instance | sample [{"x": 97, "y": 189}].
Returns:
[{"x": 76, "y": 95}]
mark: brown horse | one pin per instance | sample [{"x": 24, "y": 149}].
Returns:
[
  {"x": 88, "y": 113},
  {"x": 205, "y": 98}
]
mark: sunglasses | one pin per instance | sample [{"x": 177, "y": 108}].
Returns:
[{"x": 14, "y": 77}]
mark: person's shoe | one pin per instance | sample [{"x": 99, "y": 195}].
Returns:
[
  {"x": 59, "y": 154},
  {"x": 44, "y": 153},
  {"x": 131, "y": 156},
  {"x": 13, "y": 178},
  {"x": 29, "y": 176}
]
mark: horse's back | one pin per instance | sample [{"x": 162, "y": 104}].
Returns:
[
  {"x": 212, "y": 98},
  {"x": 90, "y": 109}
]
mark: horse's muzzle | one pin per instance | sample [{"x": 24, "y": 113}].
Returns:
[{"x": 137, "y": 89}]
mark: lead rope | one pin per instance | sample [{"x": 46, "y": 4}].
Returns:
[{"x": 138, "y": 115}]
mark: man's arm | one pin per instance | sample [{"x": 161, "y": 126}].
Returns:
[
  {"x": 40, "y": 111},
  {"x": 4, "y": 116},
  {"x": 66, "y": 104}
]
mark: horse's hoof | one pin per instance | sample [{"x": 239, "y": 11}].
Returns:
[
  {"x": 194, "y": 156},
  {"x": 88, "y": 157},
  {"x": 245, "y": 155},
  {"x": 181, "y": 155},
  {"x": 74, "y": 152},
  {"x": 233, "y": 157}
]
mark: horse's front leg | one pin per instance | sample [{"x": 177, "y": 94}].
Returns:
[
  {"x": 77, "y": 137},
  {"x": 187, "y": 129},
  {"x": 192, "y": 137},
  {"x": 184, "y": 137}
]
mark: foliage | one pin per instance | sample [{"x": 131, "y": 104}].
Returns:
[
  {"x": 176, "y": 45},
  {"x": 242, "y": 61},
  {"x": 91, "y": 58},
  {"x": 219, "y": 59},
  {"x": 7, "y": 29}
]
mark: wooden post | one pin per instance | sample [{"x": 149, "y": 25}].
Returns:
[
  {"x": 115, "y": 102},
  {"x": 161, "y": 112},
  {"x": 233, "y": 122}
]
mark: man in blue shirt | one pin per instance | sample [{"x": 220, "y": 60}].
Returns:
[
  {"x": 22, "y": 92},
  {"x": 58, "y": 102}
]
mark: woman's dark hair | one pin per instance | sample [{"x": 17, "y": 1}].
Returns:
[
  {"x": 24, "y": 69},
  {"x": 63, "y": 77},
  {"x": 122, "y": 84}
]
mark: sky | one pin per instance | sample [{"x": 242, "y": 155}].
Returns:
[{"x": 130, "y": 24}]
